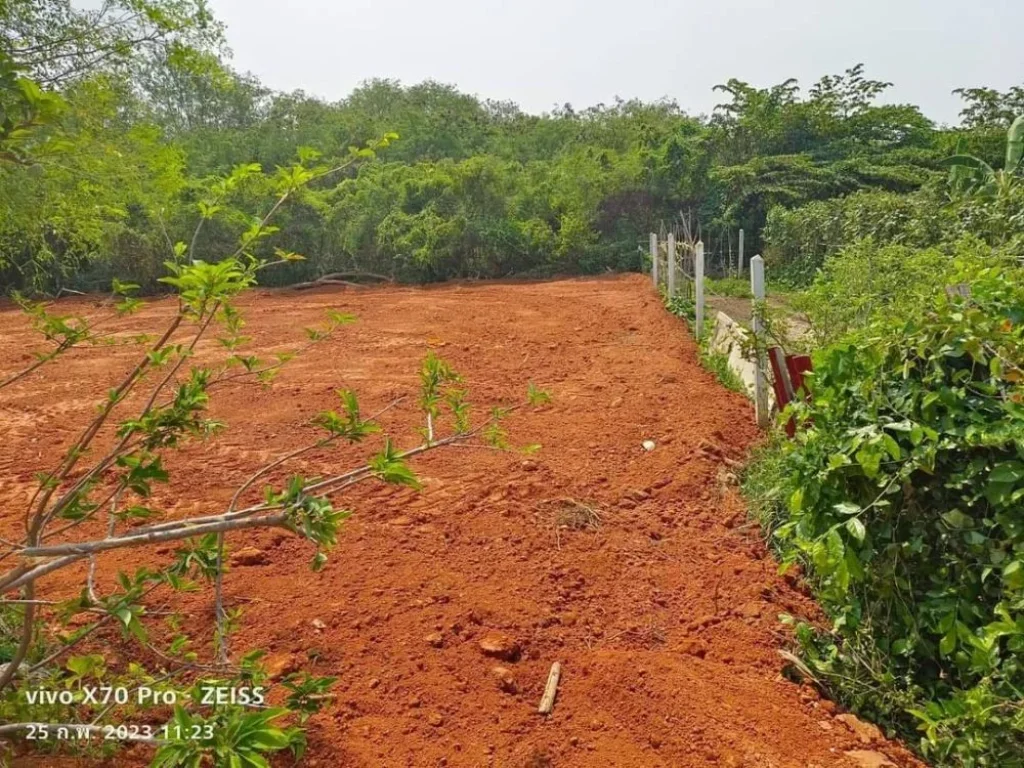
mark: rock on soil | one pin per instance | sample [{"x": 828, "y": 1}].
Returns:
[
  {"x": 500, "y": 646},
  {"x": 280, "y": 665},
  {"x": 435, "y": 639},
  {"x": 866, "y": 733},
  {"x": 866, "y": 759},
  {"x": 506, "y": 680},
  {"x": 248, "y": 556}
]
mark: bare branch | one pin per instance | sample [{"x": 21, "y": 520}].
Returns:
[
  {"x": 185, "y": 530},
  {"x": 34, "y": 522}
]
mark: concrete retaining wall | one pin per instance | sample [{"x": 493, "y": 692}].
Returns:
[{"x": 729, "y": 339}]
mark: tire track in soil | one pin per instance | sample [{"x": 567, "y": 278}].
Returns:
[{"x": 664, "y": 617}]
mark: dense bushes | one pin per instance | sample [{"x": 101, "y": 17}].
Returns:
[
  {"x": 115, "y": 178},
  {"x": 800, "y": 239},
  {"x": 903, "y": 497},
  {"x": 485, "y": 217},
  {"x": 865, "y": 280},
  {"x": 472, "y": 188}
]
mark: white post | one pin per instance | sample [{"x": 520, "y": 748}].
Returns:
[
  {"x": 760, "y": 386},
  {"x": 653, "y": 258},
  {"x": 670, "y": 265},
  {"x": 698, "y": 287},
  {"x": 740, "y": 272}
]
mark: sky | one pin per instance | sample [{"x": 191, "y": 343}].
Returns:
[{"x": 544, "y": 53}]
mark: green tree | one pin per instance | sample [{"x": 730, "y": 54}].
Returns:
[{"x": 58, "y": 42}]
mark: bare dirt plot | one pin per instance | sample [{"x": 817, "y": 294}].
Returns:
[{"x": 662, "y": 608}]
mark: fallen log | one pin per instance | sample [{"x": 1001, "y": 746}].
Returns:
[
  {"x": 356, "y": 273},
  {"x": 323, "y": 281},
  {"x": 341, "y": 278}
]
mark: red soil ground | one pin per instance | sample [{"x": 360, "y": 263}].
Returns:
[{"x": 664, "y": 618}]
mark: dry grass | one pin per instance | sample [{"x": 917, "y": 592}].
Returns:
[{"x": 570, "y": 515}]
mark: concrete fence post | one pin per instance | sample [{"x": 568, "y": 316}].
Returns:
[
  {"x": 740, "y": 262},
  {"x": 654, "y": 259},
  {"x": 760, "y": 385},
  {"x": 670, "y": 264},
  {"x": 698, "y": 287}
]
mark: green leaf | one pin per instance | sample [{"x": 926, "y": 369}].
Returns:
[
  {"x": 1013, "y": 574},
  {"x": 891, "y": 447},
  {"x": 856, "y": 528},
  {"x": 83, "y": 666},
  {"x": 870, "y": 460},
  {"x": 1007, "y": 472},
  {"x": 957, "y": 519},
  {"x": 136, "y": 628},
  {"x": 391, "y": 468},
  {"x": 948, "y": 643},
  {"x": 796, "y": 500},
  {"x": 536, "y": 396},
  {"x": 998, "y": 494}
]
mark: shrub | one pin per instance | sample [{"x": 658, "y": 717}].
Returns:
[
  {"x": 737, "y": 287},
  {"x": 801, "y": 240},
  {"x": 903, "y": 497},
  {"x": 865, "y": 280}
]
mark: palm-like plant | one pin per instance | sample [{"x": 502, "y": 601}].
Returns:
[{"x": 970, "y": 175}]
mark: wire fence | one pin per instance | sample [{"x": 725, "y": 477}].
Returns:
[{"x": 678, "y": 269}]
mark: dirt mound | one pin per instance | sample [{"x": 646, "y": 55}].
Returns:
[{"x": 442, "y": 611}]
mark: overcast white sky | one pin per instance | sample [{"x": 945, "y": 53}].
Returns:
[{"x": 540, "y": 53}]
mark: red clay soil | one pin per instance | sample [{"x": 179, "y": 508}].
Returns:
[{"x": 664, "y": 617}]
